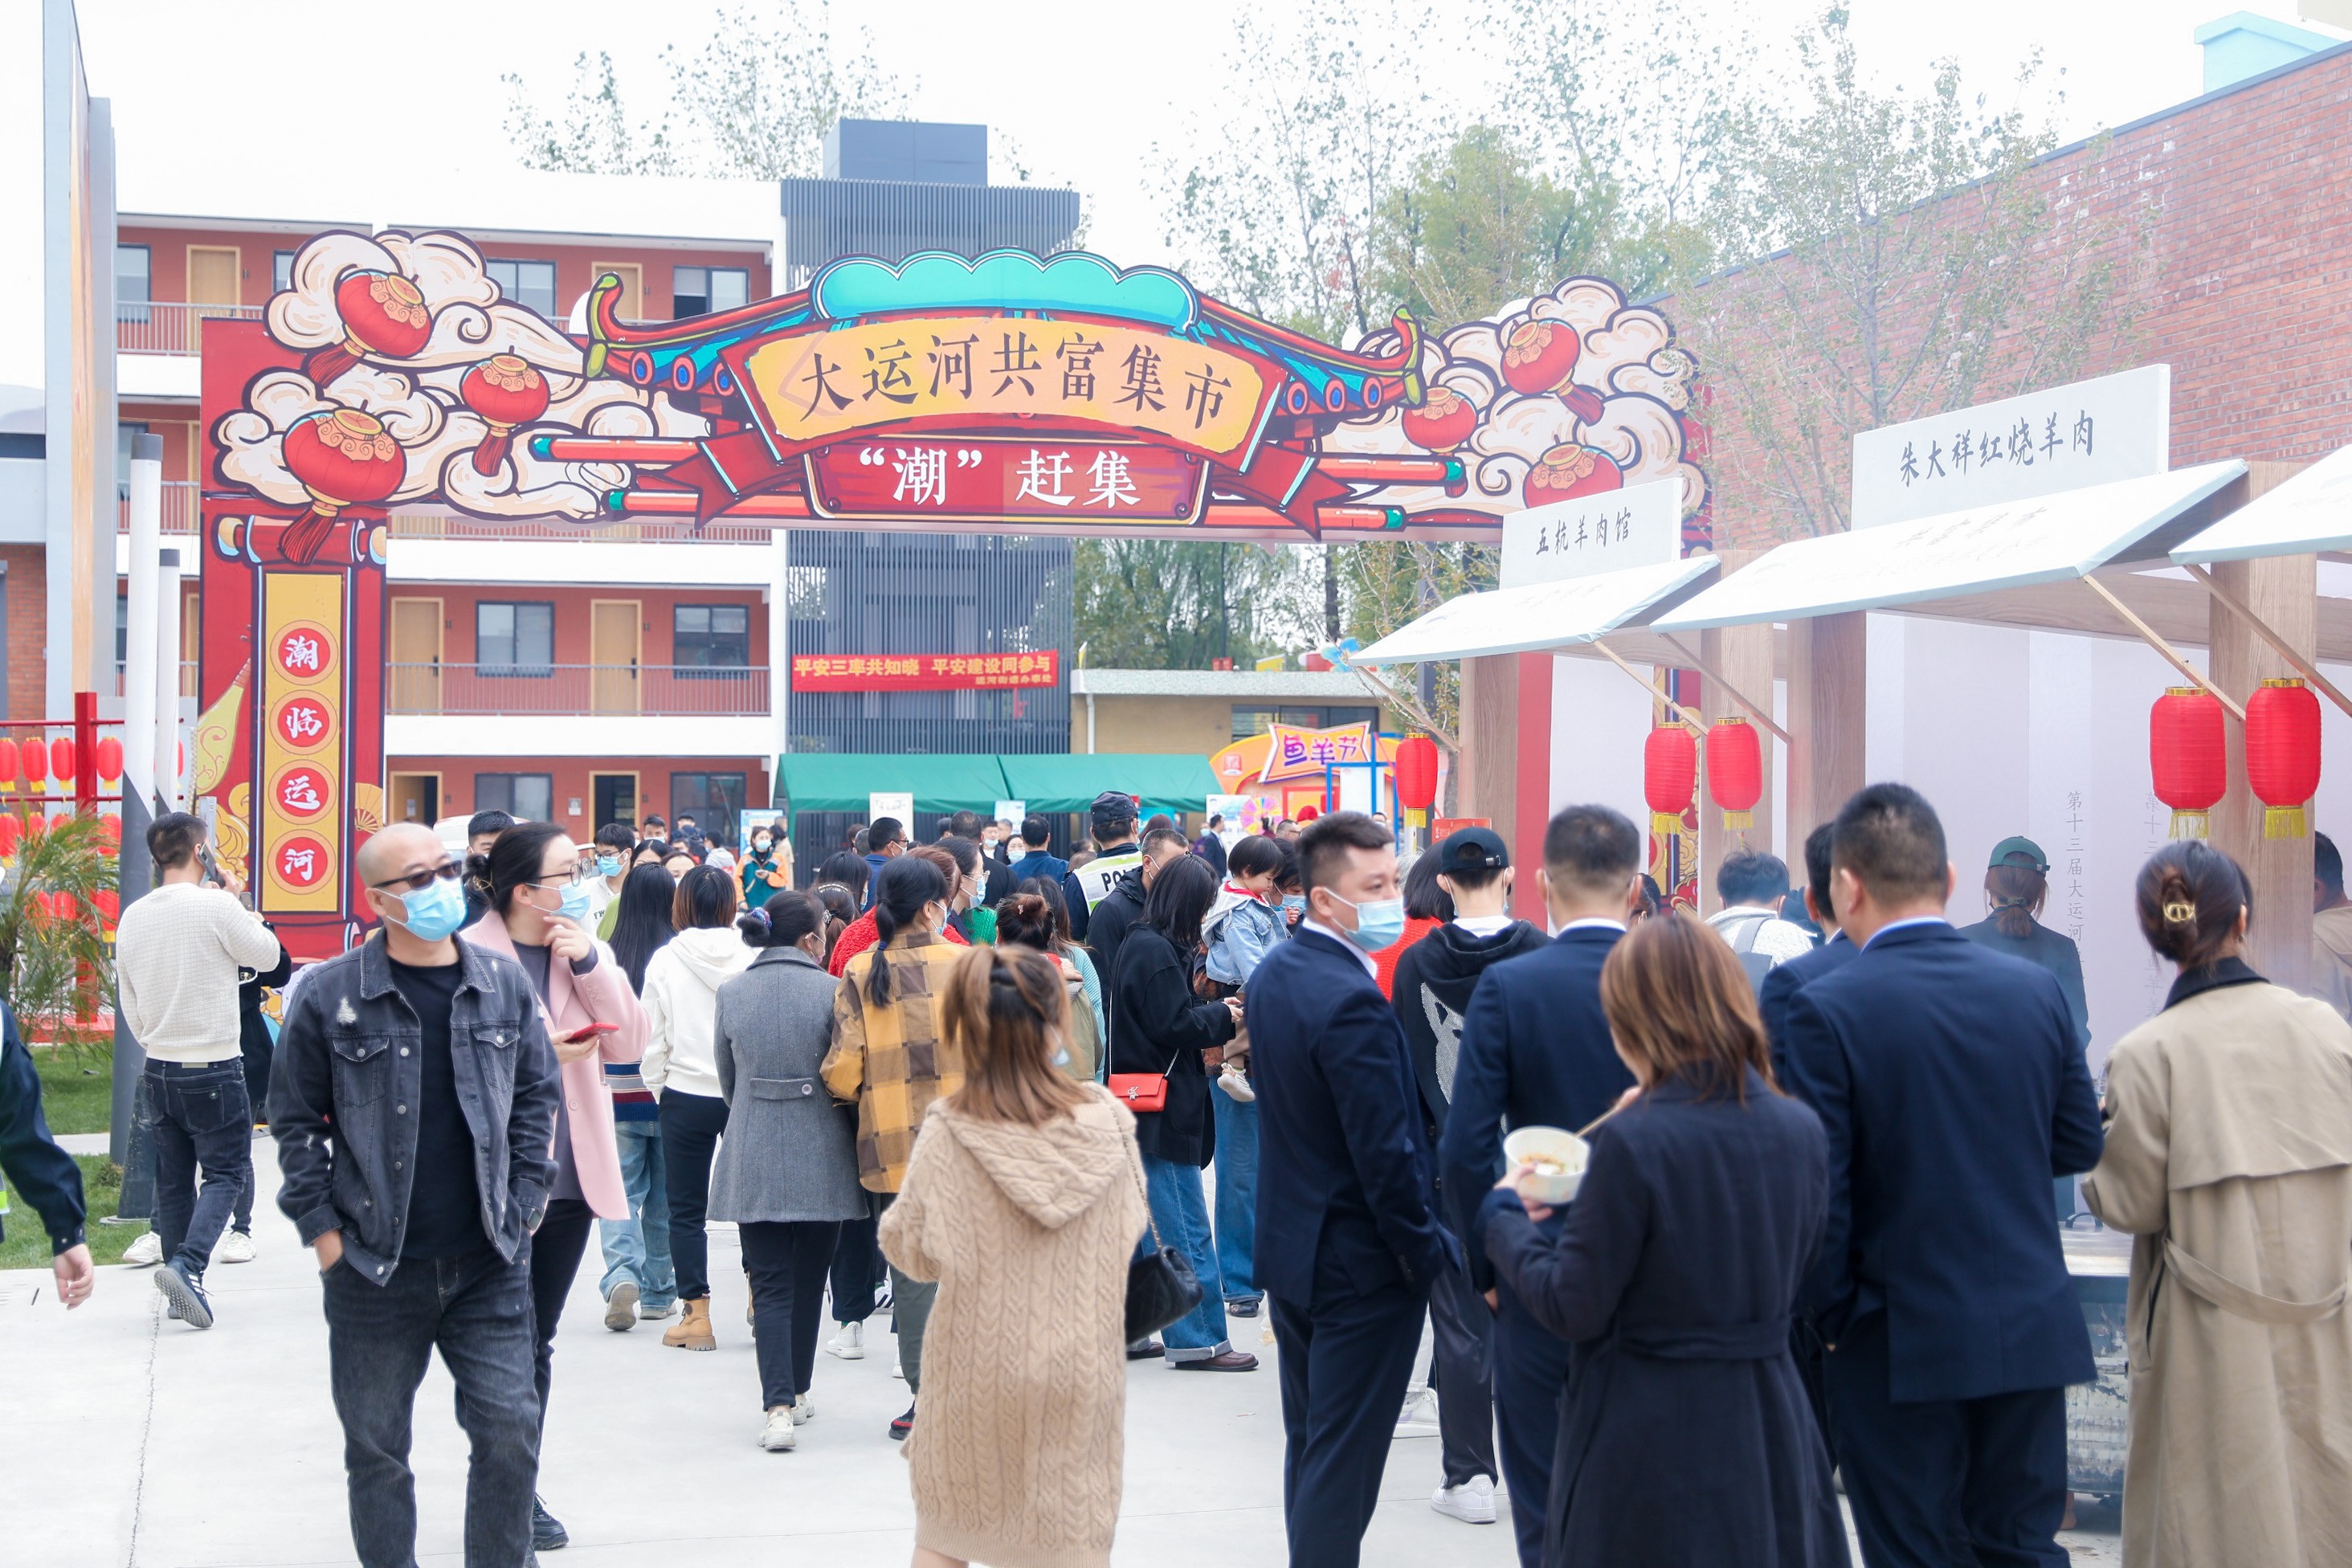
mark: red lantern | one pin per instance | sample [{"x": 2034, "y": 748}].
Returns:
[
  {"x": 343, "y": 458},
  {"x": 8, "y": 833},
  {"x": 1417, "y": 771},
  {"x": 1539, "y": 356},
  {"x": 7, "y": 762},
  {"x": 506, "y": 391},
  {"x": 110, "y": 759},
  {"x": 1442, "y": 422},
  {"x": 2187, "y": 756},
  {"x": 1735, "y": 770},
  {"x": 383, "y": 314},
  {"x": 34, "y": 759},
  {"x": 61, "y": 759},
  {"x": 1669, "y": 772},
  {"x": 2283, "y": 754},
  {"x": 1570, "y": 470}
]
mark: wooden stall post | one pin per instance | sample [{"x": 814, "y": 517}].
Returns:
[
  {"x": 1742, "y": 657},
  {"x": 1829, "y": 669},
  {"x": 1507, "y": 759},
  {"x": 2283, "y": 590}
]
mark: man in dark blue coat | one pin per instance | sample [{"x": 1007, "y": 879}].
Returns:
[
  {"x": 1348, "y": 1241},
  {"x": 1536, "y": 1052},
  {"x": 1835, "y": 954},
  {"x": 1952, "y": 1087}
]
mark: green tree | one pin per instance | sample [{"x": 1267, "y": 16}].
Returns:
[
  {"x": 1149, "y": 604},
  {"x": 54, "y": 956}
]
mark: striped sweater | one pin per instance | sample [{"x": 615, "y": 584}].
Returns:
[{"x": 631, "y": 1100}]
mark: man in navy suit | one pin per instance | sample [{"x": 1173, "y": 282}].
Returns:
[
  {"x": 1536, "y": 1052},
  {"x": 1952, "y": 1086},
  {"x": 1349, "y": 1242}
]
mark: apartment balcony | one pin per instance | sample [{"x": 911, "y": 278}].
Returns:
[
  {"x": 407, "y": 525},
  {"x": 182, "y": 507},
  {"x": 170, "y": 327},
  {"x": 432, "y": 546},
  {"x": 654, "y": 690}
]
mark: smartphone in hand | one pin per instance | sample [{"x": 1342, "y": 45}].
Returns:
[{"x": 588, "y": 1031}]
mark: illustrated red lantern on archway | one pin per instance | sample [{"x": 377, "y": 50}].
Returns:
[
  {"x": 2188, "y": 759},
  {"x": 1416, "y": 775},
  {"x": 1442, "y": 422},
  {"x": 1735, "y": 770},
  {"x": 343, "y": 458},
  {"x": 506, "y": 390},
  {"x": 1669, "y": 771},
  {"x": 1540, "y": 356},
  {"x": 1569, "y": 471},
  {"x": 383, "y": 314},
  {"x": 2283, "y": 754}
]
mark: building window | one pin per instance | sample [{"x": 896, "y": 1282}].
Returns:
[
  {"x": 133, "y": 283},
  {"x": 1248, "y": 722},
  {"x": 526, "y": 797},
  {"x": 531, "y": 284},
  {"x": 711, "y": 636},
  {"x": 121, "y": 631},
  {"x": 700, "y": 291},
  {"x": 281, "y": 270},
  {"x": 514, "y": 639},
  {"x": 714, "y": 801}
]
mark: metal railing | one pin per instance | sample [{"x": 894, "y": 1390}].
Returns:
[
  {"x": 182, "y": 507},
  {"x": 170, "y": 327},
  {"x": 562, "y": 530},
  {"x": 587, "y": 690}
]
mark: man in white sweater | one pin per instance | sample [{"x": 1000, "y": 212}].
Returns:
[{"x": 176, "y": 955}]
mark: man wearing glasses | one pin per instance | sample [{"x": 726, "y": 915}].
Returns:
[{"x": 413, "y": 1106}]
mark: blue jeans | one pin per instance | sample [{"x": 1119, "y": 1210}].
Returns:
[
  {"x": 1237, "y": 1195},
  {"x": 637, "y": 1248},
  {"x": 478, "y": 1311},
  {"x": 1182, "y": 1212},
  {"x": 201, "y": 1121}
]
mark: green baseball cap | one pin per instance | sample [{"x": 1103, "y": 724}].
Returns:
[{"x": 2015, "y": 847}]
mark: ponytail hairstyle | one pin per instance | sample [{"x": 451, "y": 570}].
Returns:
[
  {"x": 840, "y": 903},
  {"x": 1005, "y": 1009},
  {"x": 1026, "y": 920},
  {"x": 908, "y": 883},
  {"x": 1047, "y": 891},
  {"x": 781, "y": 922},
  {"x": 2016, "y": 891},
  {"x": 513, "y": 862},
  {"x": 2189, "y": 895}
]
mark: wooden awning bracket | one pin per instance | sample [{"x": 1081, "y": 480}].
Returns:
[
  {"x": 2171, "y": 654},
  {"x": 1759, "y": 714},
  {"x": 1682, "y": 715},
  {"x": 2263, "y": 629}
]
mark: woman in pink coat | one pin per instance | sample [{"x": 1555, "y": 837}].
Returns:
[{"x": 538, "y": 907}]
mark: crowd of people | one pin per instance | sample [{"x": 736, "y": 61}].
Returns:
[{"x": 983, "y": 1084}]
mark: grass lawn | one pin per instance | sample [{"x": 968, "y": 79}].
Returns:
[
  {"x": 76, "y": 1090},
  {"x": 28, "y": 1244}
]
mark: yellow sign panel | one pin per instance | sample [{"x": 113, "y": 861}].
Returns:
[
  {"x": 983, "y": 369},
  {"x": 298, "y": 777}
]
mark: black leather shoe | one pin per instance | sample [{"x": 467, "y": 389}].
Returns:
[
  {"x": 1248, "y": 1309},
  {"x": 547, "y": 1532},
  {"x": 1230, "y": 1361}
]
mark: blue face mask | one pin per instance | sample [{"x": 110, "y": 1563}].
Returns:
[
  {"x": 1294, "y": 903},
  {"x": 434, "y": 912},
  {"x": 1378, "y": 923},
  {"x": 575, "y": 907},
  {"x": 608, "y": 865}
]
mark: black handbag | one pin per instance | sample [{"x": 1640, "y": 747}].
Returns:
[{"x": 1161, "y": 1287}]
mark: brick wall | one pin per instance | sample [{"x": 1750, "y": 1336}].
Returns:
[{"x": 28, "y": 628}]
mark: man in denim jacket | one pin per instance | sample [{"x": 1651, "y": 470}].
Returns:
[{"x": 414, "y": 1107}]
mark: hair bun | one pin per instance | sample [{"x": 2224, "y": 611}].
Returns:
[{"x": 2179, "y": 912}]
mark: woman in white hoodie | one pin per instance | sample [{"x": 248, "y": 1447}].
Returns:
[{"x": 681, "y": 1002}]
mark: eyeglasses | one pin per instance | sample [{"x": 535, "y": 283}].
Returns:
[
  {"x": 563, "y": 878},
  {"x": 417, "y": 882}
]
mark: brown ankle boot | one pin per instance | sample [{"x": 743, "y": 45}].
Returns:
[{"x": 692, "y": 1330}]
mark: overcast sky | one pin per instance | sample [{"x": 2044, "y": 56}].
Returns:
[{"x": 1086, "y": 90}]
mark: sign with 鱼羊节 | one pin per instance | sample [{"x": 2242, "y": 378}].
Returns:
[
  {"x": 2059, "y": 439},
  {"x": 1606, "y": 530}
]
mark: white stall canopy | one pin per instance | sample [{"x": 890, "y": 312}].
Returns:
[
  {"x": 1540, "y": 616},
  {"x": 2309, "y": 513},
  {"x": 2015, "y": 544}
]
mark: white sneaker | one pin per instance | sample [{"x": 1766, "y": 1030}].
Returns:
[
  {"x": 656, "y": 1314},
  {"x": 849, "y": 1344},
  {"x": 144, "y": 1252},
  {"x": 235, "y": 1246},
  {"x": 803, "y": 1408},
  {"x": 898, "y": 1368},
  {"x": 1419, "y": 1417},
  {"x": 1237, "y": 1085},
  {"x": 1472, "y": 1502},
  {"x": 778, "y": 1437}
]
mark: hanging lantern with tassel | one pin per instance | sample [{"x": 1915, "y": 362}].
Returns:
[
  {"x": 2187, "y": 756},
  {"x": 1416, "y": 775},
  {"x": 1669, "y": 771},
  {"x": 1734, "y": 771},
  {"x": 2283, "y": 754}
]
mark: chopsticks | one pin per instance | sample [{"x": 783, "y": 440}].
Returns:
[{"x": 1586, "y": 1129}]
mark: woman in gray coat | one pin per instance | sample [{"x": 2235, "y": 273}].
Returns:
[{"x": 787, "y": 1167}]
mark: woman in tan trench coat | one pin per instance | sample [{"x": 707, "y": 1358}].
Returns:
[{"x": 2229, "y": 1156}]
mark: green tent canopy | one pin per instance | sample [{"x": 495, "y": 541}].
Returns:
[
  {"x": 1050, "y": 782},
  {"x": 841, "y": 781}
]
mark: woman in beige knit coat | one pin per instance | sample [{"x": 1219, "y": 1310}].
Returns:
[
  {"x": 2228, "y": 1157},
  {"x": 1024, "y": 1199}
]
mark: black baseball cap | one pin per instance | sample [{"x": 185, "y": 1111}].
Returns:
[
  {"x": 1472, "y": 850},
  {"x": 1113, "y": 807}
]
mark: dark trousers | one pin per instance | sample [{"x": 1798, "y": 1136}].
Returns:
[
  {"x": 1931, "y": 1482},
  {"x": 1346, "y": 1357},
  {"x": 555, "y": 1250},
  {"x": 1462, "y": 1371},
  {"x": 690, "y": 1125},
  {"x": 477, "y": 1310},
  {"x": 910, "y": 1316},
  {"x": 856, "y": 1269},
  {"x": 787, "y": 1263},
  {"x": 1530, "y": 1371},
  {"x": 201, "y": 1121}
]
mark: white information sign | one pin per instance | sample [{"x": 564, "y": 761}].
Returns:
[
  {"x": 898, "y": 805},
  {"x": 1641, "y": 525},
  {"x": 2061, "y": 438},
  {"x": 1012, "y": 811}
]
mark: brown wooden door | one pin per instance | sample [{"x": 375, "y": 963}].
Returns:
[
  {"x": 612, "y": 651},
  {"x": 633, "y": 286},
  {"x": 416, "y": 797},
  {"x": 214, "y": 278},
  {"x": 415, "y": 656}
]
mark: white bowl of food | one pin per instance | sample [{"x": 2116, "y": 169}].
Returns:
[{"x": 1557, "y": 1158}]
